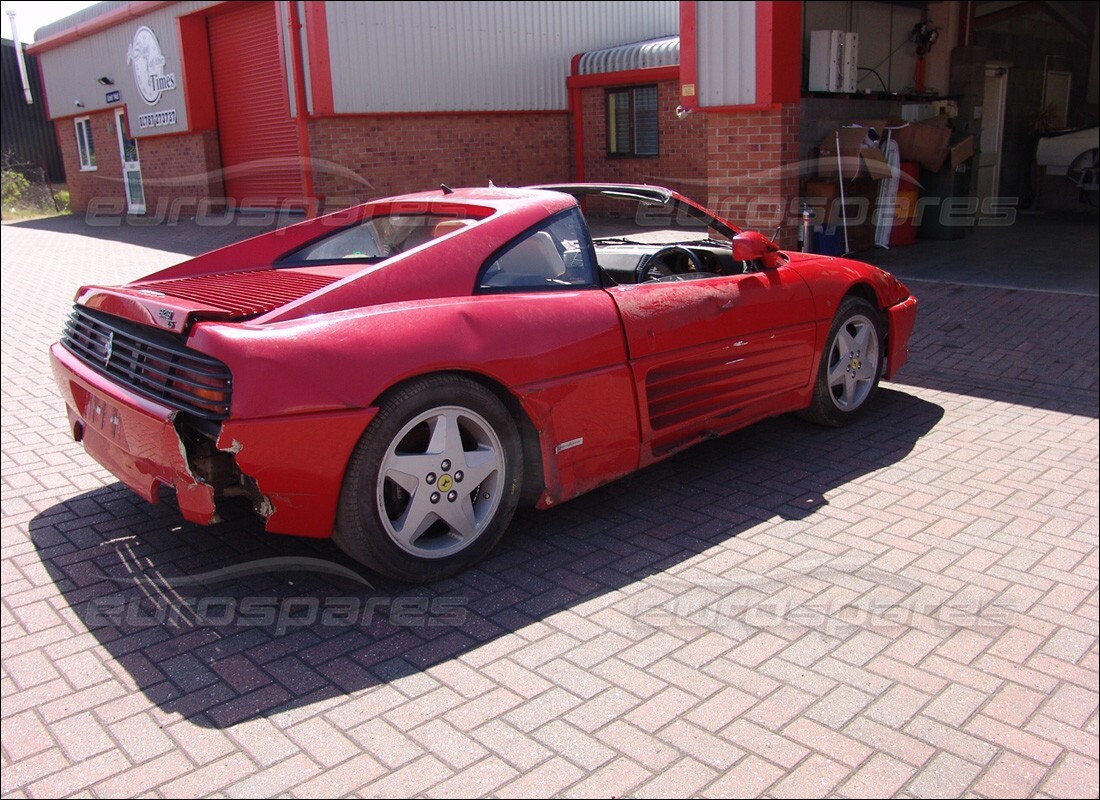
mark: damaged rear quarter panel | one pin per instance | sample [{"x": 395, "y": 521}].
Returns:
[
  {"x": 561, "y": 354},
  {"x": 346, "y": 360},
  {"x": 298, "y": 464}
]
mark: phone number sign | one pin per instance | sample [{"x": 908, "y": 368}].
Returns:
[{"x": 157, "y": 119}]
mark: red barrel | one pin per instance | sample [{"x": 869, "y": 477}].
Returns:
[{"x": 904, "y": 230}]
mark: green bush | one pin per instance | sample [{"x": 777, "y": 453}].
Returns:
[
  {"x": 61, "y": 201},
  {"x": 14, "y": 184}
]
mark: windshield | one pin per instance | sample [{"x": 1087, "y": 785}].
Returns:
[{"x": 655, "y": 206}]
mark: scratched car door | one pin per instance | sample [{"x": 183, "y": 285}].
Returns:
[{"x": 708, "y": 353}]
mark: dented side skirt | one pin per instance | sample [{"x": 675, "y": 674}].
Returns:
[{"x": 588, "y": 431}]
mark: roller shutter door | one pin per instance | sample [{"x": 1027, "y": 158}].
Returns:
[{"x": 259, "y": 142}]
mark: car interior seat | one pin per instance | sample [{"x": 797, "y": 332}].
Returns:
[{"x": 535, "y": 261}]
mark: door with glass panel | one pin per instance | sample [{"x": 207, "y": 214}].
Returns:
[{"x": 131, "y": 166}]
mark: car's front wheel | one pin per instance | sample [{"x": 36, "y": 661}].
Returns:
[
  {"x": 850, "y": 365},
  {"x": 433, "y": 483}
]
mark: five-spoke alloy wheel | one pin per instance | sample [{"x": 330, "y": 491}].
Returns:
[
  {"x": 850, "y": 365},
  {"x": 434, "y": 482}
]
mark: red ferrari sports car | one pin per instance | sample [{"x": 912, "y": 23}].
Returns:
[{"x": 402, "y": 374}]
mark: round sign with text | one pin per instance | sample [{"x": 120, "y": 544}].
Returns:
[{"x": 145, "y": 57}]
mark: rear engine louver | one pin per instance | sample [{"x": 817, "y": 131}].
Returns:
[{"x": 242, "y": 293}]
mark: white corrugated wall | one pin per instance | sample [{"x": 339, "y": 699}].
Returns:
[
  {"x": 726, "y": 48},
  {"x": 474, "y": 56}
]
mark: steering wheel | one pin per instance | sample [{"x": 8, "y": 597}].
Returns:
[{"x": 672, "y": 260}]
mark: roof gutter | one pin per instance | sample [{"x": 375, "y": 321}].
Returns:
[
  {"x": 622, "y": 77},
  {"x": 97, "y": 24}
]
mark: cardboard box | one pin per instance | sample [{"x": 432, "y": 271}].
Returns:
[
  {"x": 925, "y": 143},
  {"x": 859, "y": 156},
  {"x": 862, "y": 199},
  {"x": 822, "y": 197},
  {"x": 831, "y": 216},
  {"x": 961, "y": 152}
]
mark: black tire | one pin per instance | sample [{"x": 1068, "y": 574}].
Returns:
[
  {"x": 853, "y": 356},
  {"x": 433, "y": 484}
]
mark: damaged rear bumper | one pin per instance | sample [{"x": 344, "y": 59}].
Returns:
[
  {"x": 133, "y": 438},
  {"x": 291, "y": 466}
]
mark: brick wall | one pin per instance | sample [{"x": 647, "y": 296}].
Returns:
[
  {"x": 743, "y": 165},
  {"x": 681, "y": 164},
  {"x": 361, "y": 157},
  {"x": 752, "y": 162},
  {"x": 105, "y": 182},
  {"x": 181, "y": 171},
  {"x": 177, "y": 171}
]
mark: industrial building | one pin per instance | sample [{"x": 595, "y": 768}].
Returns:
[{"x": 174, "y": 107}]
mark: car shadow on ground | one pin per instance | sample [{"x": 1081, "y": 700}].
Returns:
[{"x": 273, "y": 637}]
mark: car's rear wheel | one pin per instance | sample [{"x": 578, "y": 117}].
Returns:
[
  {"x": 851, "y": 364},
  {"x": 433, "y": 483}
]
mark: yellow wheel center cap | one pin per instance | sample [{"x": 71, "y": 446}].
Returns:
[
  {"x": 445, "y": 483},
  {"x": 855, "y": 364}
]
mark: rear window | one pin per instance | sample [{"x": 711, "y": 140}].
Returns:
[{"x": 376, "y": 239}]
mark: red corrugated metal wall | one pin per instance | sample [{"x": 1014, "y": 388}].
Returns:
[{"x": 258, "y": 138}]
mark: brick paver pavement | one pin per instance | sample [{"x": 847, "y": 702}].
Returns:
[{"x": 905, "y": 607}]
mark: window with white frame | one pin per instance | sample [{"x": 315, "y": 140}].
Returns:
[{"x": 84, "y": 144}]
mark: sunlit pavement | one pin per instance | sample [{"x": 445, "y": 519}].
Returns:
[{"x": 905, "y": 607}]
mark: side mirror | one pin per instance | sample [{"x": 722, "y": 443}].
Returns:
[{"x": 755, "y": 246}]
